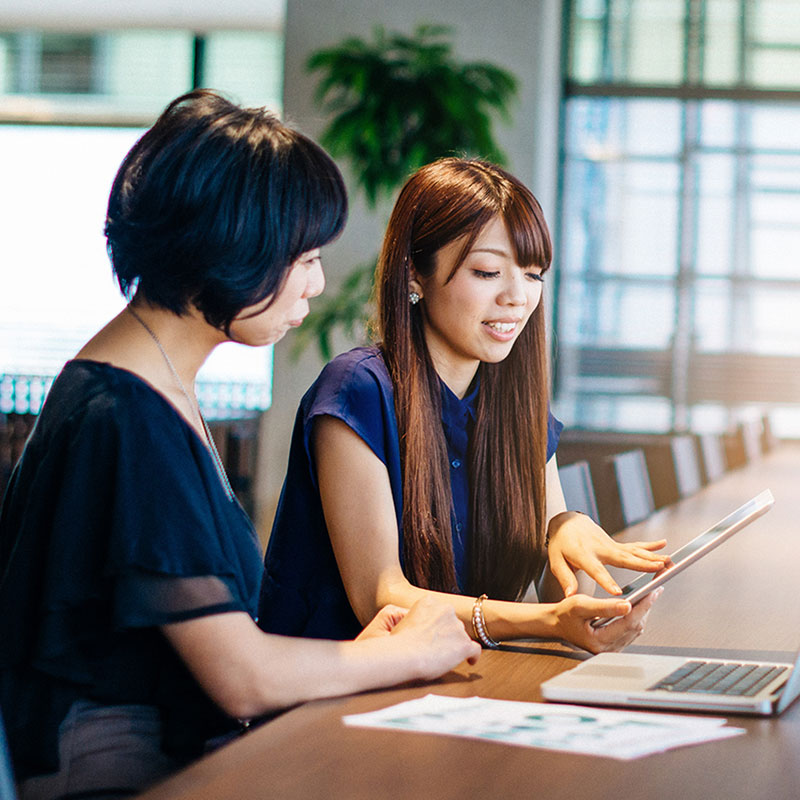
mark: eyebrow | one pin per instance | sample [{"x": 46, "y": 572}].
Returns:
[
  {"x": 502, "y": 253},
  {"x": 496, "y": 251}
]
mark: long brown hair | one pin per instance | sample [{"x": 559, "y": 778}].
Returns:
[{"x": 445, "y": 201}]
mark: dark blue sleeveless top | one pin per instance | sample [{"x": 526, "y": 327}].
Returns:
[{"x": 302, "y": 592}]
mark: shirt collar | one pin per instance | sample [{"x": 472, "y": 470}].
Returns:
[{"x": 455, "y": 410}]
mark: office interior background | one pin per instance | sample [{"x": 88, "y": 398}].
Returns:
[{"x": 662, "y": 138}]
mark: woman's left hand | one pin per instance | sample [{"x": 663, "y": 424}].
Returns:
[
  {"x": 383, "y": 623},
  {"x": 578, "y": 543}
]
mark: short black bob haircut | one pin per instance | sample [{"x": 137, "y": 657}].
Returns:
[{"x": 213, "y": 205}]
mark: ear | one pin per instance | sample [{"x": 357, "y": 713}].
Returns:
[{"x": 414, "y": 285}]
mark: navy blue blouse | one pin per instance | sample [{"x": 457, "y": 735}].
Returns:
[
  {"x": 115, "y": 522},
  {"x": 302, "y": 592}
]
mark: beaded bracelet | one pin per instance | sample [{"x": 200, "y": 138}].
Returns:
[{"x": 479, "y": 624}]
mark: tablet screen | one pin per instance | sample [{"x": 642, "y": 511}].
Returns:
[
  {"x": 705, "y": 541},
  {"x": 695, "y": 549}
]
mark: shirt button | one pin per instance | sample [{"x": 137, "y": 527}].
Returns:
[
  {"x": 458, "y": 527},
  {"x": 455, "y": 463}
]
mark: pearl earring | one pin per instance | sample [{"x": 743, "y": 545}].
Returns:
[{"x": 413, "y": 298}]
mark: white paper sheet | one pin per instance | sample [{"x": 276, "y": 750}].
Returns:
[{"x": 553, "y": 726}]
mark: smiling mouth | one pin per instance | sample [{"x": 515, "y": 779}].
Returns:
[{"x": 501, "y": 327}]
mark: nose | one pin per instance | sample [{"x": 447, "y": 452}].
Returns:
[
  {"x": 315, "y": 282},
  {"x": 513, "y": 292}
]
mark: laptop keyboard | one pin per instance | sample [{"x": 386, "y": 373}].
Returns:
[{"x": 706, "y": 677}]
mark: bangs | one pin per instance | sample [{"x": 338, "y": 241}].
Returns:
[
  {"x": 475, "y": 224},
  {"x": 490, "y": 192},
  {"x": 317, "y": 202},
  {"x": 528, "y": 232},
  {"x": 312, "y": 199}
]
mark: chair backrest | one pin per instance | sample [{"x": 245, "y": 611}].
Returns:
[
  {"x": 743, "y": 444},
  {"x": 768, "y": 439},
  {"x": 712, "y": 450},
  {"x": 7, "y": 790},
  {"x": 752, "y": 435},
  {"x": 597, "y": 446},
  {"x": 633, "y": 482},
  {"x": 576, "y": 483},
  {"x": 687, "y": 464}
]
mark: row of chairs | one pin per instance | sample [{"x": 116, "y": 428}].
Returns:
[
  {"x": 619, "y": 478},
  {"x": 236, "y": 440},
  {"x": 14, "y": 432}
]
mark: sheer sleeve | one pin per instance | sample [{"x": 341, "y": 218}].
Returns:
[
  {"x": 142, "y": 525},
  {"x": 173, "y": 550},
  {"x": 144, "y": 599}
]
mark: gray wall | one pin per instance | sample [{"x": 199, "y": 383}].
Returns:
[{"x": 522, "y": 36}]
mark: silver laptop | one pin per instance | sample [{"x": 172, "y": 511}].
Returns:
[{"x": 677, "y": 682}]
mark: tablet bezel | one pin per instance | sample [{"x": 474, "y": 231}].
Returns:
[{"x": 694, "y": 550}]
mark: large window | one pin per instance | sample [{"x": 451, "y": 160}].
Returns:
[
  {"x": 121, "y": 76},
  {"x": 679, "y": 288},
  {"x": 84, "y": 100}
]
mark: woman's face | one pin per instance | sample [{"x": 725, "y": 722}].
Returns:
[
  {"x": 262, "y": 323},
  {"x": 478, "y": 314}
]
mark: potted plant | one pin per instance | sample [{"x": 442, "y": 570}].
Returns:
[{"x": 398, "y": 102}]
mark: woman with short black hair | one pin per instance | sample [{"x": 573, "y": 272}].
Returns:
[{"x": 129, "y": 574}]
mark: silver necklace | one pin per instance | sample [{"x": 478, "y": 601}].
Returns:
[{"x": 195, "y": 406}]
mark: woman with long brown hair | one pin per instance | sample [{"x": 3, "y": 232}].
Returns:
[{"x": 426, "y": 464}]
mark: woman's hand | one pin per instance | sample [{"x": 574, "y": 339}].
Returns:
[
  {"x": 574, "y": 615},
  {"x": 383, "y": 623},
  {"x": 432, "y": 632},
  {"x": 578, "y": 543}
]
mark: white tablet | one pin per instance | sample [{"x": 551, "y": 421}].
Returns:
[{"x": 695, "y": 550}]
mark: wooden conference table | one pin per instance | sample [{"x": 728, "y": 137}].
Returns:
[{"x": 741, "y": 600}]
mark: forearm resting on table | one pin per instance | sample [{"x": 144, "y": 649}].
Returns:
[
  {"x": 504, "y": 619},
  {"x": 248, "y": 672},
  {"x": 357, "y": 500}
]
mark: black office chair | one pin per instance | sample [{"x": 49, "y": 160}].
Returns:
[
  {"x": 576, "y": 482},
  {"x": 7, "y": 790}
]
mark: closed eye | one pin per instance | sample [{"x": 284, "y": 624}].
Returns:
[
  {"x": 536, "y": 276},
  {"x": 481, "y": 273}
]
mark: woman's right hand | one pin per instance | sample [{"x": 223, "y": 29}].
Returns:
[
  {"x": 574, "y": 615},
  {"x": 435, "y": 637}
]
